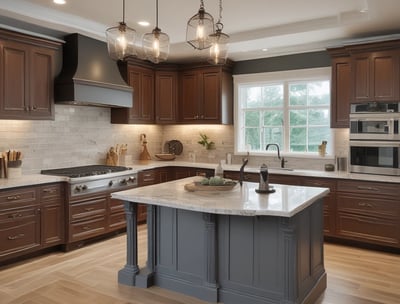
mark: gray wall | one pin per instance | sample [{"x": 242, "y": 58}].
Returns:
[{"x": 283, "y": 63}]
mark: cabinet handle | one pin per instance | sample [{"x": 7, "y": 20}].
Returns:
[
  {"x": 89, "y": 209},
  {"x": 33, "y": 108},
  {"x": 363, "y": 204},
  {"x": 49, "y": 191},
  {"x": 86, "y": 228},
  {"x": 367, "y": 188},
  {"x": 15, "y": 215},
  {"x": 13, "y": 198},
  {"x": 15, "y": 237}
]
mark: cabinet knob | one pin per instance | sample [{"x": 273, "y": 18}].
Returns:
[
  {"x": 16, "y": 237},
  {"x": 13, "y": 197}
]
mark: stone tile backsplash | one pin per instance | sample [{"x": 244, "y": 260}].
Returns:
[{"x": 82, "y": 135}]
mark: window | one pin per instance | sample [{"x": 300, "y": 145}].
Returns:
[{"x": 290, "y": 108}]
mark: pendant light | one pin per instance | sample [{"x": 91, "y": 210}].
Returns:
[
  {"x": 121, "y": 39},
  {"x": 219, "y": 42},
  {"x": 156, "y": 43},
  {"x": 199, "y": 28}
]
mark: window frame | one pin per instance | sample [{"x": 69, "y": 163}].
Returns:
[{"x": 270, "y": 78}]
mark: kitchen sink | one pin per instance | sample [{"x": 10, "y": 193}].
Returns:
[{"x": 281, "y": 169}]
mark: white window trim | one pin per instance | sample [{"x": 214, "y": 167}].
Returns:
[{"x": 287, "y": 76}]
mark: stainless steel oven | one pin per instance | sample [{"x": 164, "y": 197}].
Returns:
[
  {"x": 374, "y": 121},
  {"x": 375, "y": 157}
]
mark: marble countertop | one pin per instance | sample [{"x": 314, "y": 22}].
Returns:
[
  {"x": 36, "y": 179},
  {"x": 241, "y": 200}
]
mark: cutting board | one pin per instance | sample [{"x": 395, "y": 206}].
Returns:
[{"x": 197, "y": 186}]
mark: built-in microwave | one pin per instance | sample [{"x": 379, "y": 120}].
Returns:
[{"x": 375, "y": 157}]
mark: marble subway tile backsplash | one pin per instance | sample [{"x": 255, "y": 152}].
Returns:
[{"x": 82, "y": 135}]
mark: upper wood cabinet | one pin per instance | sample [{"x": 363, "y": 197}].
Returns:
[
  {"x": 375, "y": 76},
  {"x": 166, "y": 99},
  {"x": 340, "y": 92},
  {"x": 206, "y": 95},
  {"x": 363, "y": 73},
  {"x": 27, "y": 71},
  {"x": 142, "y": 80}
]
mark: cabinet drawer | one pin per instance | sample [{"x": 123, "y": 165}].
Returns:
[
  {"x": 17, "y": 198},
  {"x": 51, "y": 192},
  {"x": 117, "y": 220},
  {"x": 386, "y": 189},
  {"x": 320, "y": 182},
  {"x": 17, "y": 214},
  {"x": 116, "y": 205},
  {"x": 369, "y": 229},
  {"x": 86, "y": 229},
  {"x": 20, "y": 234},
  {"x": 365, "y": 205},
  {"x": 283, "y": 179},
  {"x": 90, "y": 208},
  {"x": 146, "y": 178}
]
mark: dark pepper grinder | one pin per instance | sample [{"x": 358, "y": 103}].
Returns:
[{"x": 263, "y": 186}]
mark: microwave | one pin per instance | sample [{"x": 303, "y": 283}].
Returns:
[
  {"x": 375, "y": 157},
  {"x": 374, "y": 126},
  {"x": 374, "y": 121}
]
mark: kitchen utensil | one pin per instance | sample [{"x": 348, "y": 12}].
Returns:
[
  {"x": 174, "y": 147},
  {"x": 165, "y": 156}
]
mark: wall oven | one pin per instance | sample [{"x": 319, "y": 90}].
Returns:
[
  {"x": 375, "y": 157},
  {"x": 375, "y": 138}
]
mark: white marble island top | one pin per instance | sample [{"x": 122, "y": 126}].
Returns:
[{"x": 241, "y": 200}]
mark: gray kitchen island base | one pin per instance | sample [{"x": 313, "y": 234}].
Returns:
[{"x": 232, "y": 259}]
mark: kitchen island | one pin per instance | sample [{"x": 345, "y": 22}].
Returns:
[{"x": 233, "y": 246}]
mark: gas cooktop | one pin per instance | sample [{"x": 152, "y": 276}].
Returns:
[{"x": 83, "y": 171}]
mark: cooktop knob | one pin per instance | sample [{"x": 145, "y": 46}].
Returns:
[
  {"x": 110, "y": 183},
  {"x": 132, "y": 179},
  {"x": 78, "y": 188},
  {"x": 84, "y": 187}
]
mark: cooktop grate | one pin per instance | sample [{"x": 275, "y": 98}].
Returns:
[{"x": 82, "y": 171}]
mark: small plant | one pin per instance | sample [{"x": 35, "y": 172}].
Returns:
[{"x": 205, "y": 142}]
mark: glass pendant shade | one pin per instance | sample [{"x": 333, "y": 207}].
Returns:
[
  {"x": 199, "y": 28},
  {"x": 219, "y": 48},
  {"x": 121, "y": 41},
  {"x": 156, "y": 46}
]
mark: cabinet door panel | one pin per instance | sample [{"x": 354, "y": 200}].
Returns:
[
  {"x": 211, "y": 96},
  {"x": 166, "y": 97},
  {"x": 134, "y": 82},
  {"x": 147, "y": 100},
  {"x": 385, "y": 67},
  {"x": 189, "y": 104},
  {"x": 52, "y": 227},
  {"x": 361, "y": 78},
  {"x": 14, "y": 63},
  {"x": 41, "y": 83},
  {"x": 341, "y": 92}
]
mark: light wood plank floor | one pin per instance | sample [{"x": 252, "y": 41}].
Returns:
[{"x": 89, "y": 275}]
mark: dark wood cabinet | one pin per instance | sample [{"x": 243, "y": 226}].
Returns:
[
  {"x": 375, "y": 76},
  {"x": 166, "y": 99},
  {"x": 363, "y": 73},
  {"x": 368, "y": 212},
  {"x": 206, "y": 95},
  {"x": 52, "y": 216},
  {"x": 27, "y": 67},
  {"x": 141, "y": 78},
  {"x": 340, "y": 92},
  {"x": 31, "y": 218}
]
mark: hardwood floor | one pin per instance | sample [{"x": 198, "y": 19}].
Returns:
[{"x": 89, "y": 275}]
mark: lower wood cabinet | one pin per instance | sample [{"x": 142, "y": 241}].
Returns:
[{"x": 31, "y": 218}]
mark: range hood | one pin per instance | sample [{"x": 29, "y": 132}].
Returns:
[{"x": 89, "y": 76}]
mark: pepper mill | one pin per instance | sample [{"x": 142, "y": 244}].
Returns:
[{"x": 263, "y": 186}]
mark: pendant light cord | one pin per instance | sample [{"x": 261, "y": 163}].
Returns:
[
  {"x": 123, "y": 11},
  {"x": 156, "y": 13}
]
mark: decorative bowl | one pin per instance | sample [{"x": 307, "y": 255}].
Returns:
[{"x": 165, "y": 156}]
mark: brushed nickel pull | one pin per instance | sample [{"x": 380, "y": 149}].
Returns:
[
  {"x": 367, "y": 188},
  {"x": 15, "y": 237},
  {"x": 86, "y": 228},
  {"x": 49, "y": 191},
  {"x": 89, "y": 209},
  {"x": 363, "y": 204},
  {"x": 13, "y": 198},
  {"x": 15, "y": 215}
]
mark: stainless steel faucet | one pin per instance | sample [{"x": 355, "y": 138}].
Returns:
[{"x": 279, "y": 154}]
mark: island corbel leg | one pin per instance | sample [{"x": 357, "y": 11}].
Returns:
[{"x": 127, "y": 275}]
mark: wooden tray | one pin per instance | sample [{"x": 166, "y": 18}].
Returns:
[{"x": 197, "y": 186}]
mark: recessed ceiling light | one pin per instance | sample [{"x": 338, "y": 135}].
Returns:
[
  {"x": 59, "y": 1},
  {"x": 144, "y": 23}
]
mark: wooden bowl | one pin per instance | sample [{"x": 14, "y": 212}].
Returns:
[{"x": 165, "y": 156}]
